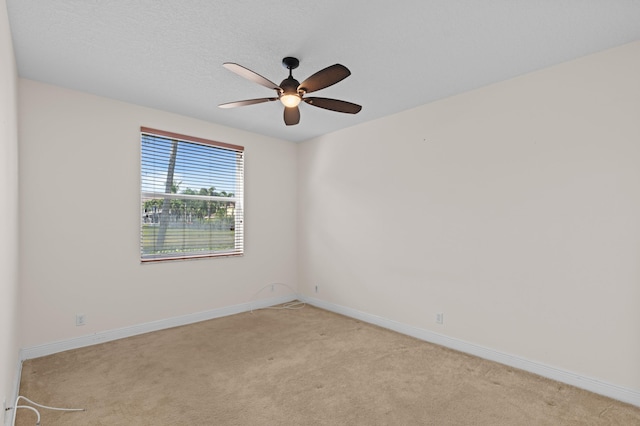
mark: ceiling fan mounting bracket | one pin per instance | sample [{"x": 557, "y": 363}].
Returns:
[{"x": 290, "y": 63}]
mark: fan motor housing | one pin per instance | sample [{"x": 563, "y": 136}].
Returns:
[{"x": 289, "y": 85}]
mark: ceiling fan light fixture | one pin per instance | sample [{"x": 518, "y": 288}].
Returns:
[
  {"x": 291, "y": 92},
  {"x": 290, "y": 100}
]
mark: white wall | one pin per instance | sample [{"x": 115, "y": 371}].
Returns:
[
  {"x": 79, "y": 207},
  {"x": 8, "y": 213},
  {"x": 513, "y": 209}
]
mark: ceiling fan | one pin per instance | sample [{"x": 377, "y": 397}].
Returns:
[{"x": 290, "y": 92}]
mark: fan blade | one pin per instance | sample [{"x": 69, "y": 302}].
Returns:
[
  {"x": 291, "y": 116},
  {"x": 250, "y": 75},
  {"x": 247, "y": 102},
  {"x": 325, "y": 78},
  {"x": 334, "y": 105}
]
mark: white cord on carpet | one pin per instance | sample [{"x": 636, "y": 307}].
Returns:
[
  {"x": 16, "y": 406},
  {"x": 294, "y": 304}
]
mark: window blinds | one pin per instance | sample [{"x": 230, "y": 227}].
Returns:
[{"x": 191, "y": 197}]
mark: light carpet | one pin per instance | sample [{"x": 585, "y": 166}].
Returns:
[{"x": 297, "y": 367}]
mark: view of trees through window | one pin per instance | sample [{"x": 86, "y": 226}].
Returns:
[{"x": 191, "y": 194}]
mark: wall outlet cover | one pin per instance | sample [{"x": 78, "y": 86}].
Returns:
[{"x": 81, "y": 319}]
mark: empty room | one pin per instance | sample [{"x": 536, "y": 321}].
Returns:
[{"x": 320, "y": 213}]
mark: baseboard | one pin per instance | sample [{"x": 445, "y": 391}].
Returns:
[
  {"x": 109, "y": 335},
  {"x": 8, "y": 415},
  {"x": 593, "y": 385}
]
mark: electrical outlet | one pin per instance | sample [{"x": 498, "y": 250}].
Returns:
[
  {"x": 81, "y": 319},
  {"x": 273, "y": 288},
  {"x": 316, "y": 289},
  {"x": 440, "y": 318}
]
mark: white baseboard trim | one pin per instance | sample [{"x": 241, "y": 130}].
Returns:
[
  {"x": 121, "y": 333},
  {"x": 8, "y": 415},
  {"x": 619, "y": 393}
]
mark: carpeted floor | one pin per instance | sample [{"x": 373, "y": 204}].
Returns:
[{"x": 297, "y": 367}]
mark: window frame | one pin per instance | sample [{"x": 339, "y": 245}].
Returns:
[{"x": 238, "y": 199}]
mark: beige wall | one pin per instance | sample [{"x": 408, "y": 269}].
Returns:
[
  {"x": 513, "y": 209},
  {"x": 80, "y": 192},
  {"x": 8, "y": 213}
]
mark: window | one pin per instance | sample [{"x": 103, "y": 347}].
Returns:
[{"x": 191, "y": 197}]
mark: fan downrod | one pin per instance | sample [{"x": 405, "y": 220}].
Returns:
[{"x": 290, "y": 63}]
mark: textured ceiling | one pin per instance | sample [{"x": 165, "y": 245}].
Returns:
[{"x": 169, "y": 54}]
